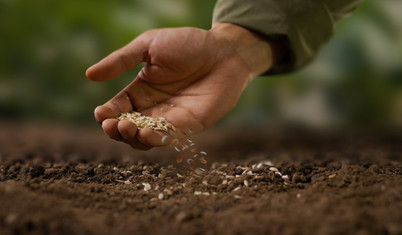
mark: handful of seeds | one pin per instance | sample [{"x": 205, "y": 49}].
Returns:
[
  {"x": 187, "y": 149},
  {"x": 141, "y": 121}
]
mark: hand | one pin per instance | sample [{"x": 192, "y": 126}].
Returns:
[{"x": 192, "y": 77}]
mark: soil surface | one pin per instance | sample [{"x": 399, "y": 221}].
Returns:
[{"x": 70, "y": 180}]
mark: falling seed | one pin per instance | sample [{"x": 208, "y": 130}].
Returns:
[
  {"x": 195, "y": 155},
  {"x": 184, "y": 147},
  {"x": 175, "y": 148},
  {"x": 203, "y": 161},
  {"x": 237, "y": 196},
  {"x": 204, "y": 182},
  {"x": 197, "y": 193},
  {"x": 331, "y": 176},
  {"x": 179, "y": 159},
  {"x": 179, "y": 175},
  {"x": 206, "y": 193},
  {"x": 164, "y": 139},
  {"x": 298, "y": 195},
  {"x": 160, "y": 196},
  {"x": 190, "y": 161},
  {"x": 278, "y": 173},
  {"x": 203, "y": 153},
  {"x": 193, "y": 149},
  {"x": 174, "y": 142},
  {"x": 285, "y": 177}
]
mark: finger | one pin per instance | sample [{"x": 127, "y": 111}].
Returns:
[
  {"x": 113, "y": 108},
  {"x": 127, "y": 129},
  {"x": 110, "y": 128},
  {"x": 120, "y": 61},
  {"x": 149, "y": 137},
  {"x": 128, "y": 132}
]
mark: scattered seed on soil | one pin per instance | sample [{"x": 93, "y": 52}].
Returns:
[
  {"x": 160, "y": 196},
  {"x": 274, "y": 169},
  {"x": 179, "y": 159},
  {"x": 197, "y": 193},
  {"x": 147, "y": 186},
  {"x": 190, "y": 161},
  {"x": 198, "y": 171},
  {"x": 245, "y": 182},
  {"x": 236, "y": 189}
]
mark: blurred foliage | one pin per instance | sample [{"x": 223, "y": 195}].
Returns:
[{"x": 47, "y": 45}]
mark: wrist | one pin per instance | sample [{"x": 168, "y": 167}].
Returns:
[{"x": 254, "y": 50}]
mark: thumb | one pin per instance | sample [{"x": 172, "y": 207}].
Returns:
[{"x": 120, "y": 61}]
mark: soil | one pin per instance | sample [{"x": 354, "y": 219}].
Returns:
[{"x": 74, "y": 180}]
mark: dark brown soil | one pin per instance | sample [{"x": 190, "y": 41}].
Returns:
[{"x": 67, "y": 180}]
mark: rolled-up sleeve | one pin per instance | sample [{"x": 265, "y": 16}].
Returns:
[{"x": 302, "y": 26}]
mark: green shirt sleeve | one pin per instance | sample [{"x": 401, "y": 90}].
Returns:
[{"x": 303, "y": 26}]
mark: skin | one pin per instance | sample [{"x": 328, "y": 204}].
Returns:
[{"x": 192, "y": 77}]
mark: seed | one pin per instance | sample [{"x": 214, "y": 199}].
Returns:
[
  {"x": 179, "y": 175},
  {"x": 127, "y": 182},
  {"x": 285, "y": 177},
  {"x": 190, "y": 161},
  {"x": 160, "y": 196},
  {"x": 236, "y": 189},
  {"x": 164, "y": 139},
  {"x": 204, "y": 182},
  {"x": 274, "y": 169},
  {"x": 197, "y": 193},
  {"x": 193, "y": 149},
  {"x": 147, "y": 186},
  {"x": 195, "y": 155},
  {"x": 198, "y": 171},
  {"x": 224, "y": 181},
  {"x": 206, "y": 193},
  {"x": 203, "y": 161},
  {"x": 267, "y": 163},
  {"x": 178, "y": 150},
  {"x": 237, "y": 196},
  {"x": 179, "y": 159},
  {"x": 203, "y": 153},
  {"x": 174, "y": 142},
  {"x": 245, "y": 182}
]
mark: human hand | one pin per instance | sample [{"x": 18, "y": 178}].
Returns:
[{"x": 192, "y": 77}]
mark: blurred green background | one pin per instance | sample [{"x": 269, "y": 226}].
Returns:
[{"x": 46, "y": 46}]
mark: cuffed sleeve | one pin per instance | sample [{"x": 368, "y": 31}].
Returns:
[{"x": 302, "y": 26}]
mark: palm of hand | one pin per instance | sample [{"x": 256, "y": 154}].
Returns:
[{"x": 190, "y": 78}]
